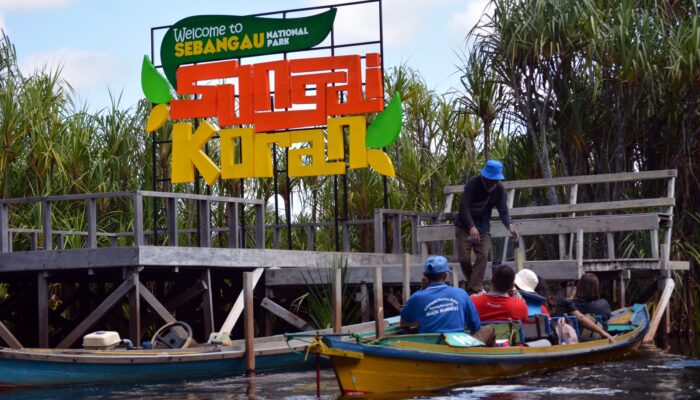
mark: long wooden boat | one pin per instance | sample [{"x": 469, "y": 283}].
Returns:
[
  {"x": 427, "y": 362},
  {"x": 53, "y": 367}
]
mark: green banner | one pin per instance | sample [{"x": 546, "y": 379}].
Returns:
[{"x": 220, "y": 37}]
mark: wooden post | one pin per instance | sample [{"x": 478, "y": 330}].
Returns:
[
  {"x": 310, "y": 246},
  {"x": 337, "y": 306},
  {"x": 138, "y": 219},
  {"x": 233, "y": 230},
  {"x": 207, "y": 306},
  {"x": 4, "y": 229},
  {"x": 346, "y": 237},
  {"x": 91, "y": 210},
  {"x": 414, "y": 235},
  {"x": 378, "y": 231},
  {"x": 579, "y": 251},
  {"x": 624, "y": 278},
  {"x": 510, "y": 199},
  {"x": 248, "y": 286},
  {"x": 135, "y": 309},
  {"x": 364, "y": 302},
  {"x": 611, "y": 245},
  {"x": 173, "y": 231},
  {"x": 46, "y": 224},
  {"x": 396, "y": 245},
  {"x": 204, "y": 223},
  {"x": 406, "y": 292},
  {"x": 42, "y": 299},
  {"x": 260, "y": 226},
  {"x": 378, "y": 302},
  {"x": 454, "y": 275},
  {"x": 654, "y": 243}
]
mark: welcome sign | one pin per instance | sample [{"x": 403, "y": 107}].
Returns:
[{"x": 257, "y": 105}]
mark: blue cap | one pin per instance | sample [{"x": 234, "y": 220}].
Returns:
[
  {"x": 435, "y": 265},
  {"x": 493, "y": 170}
]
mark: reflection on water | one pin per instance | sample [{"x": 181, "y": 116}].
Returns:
[{"x": 654, "y": 374}]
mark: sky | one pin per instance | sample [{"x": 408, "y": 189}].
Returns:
[{"x": 99, "y": 45}]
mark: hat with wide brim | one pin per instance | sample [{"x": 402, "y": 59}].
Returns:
[
  {"x": 526, "y": 280},
  {"x": 493, "y": 170}
]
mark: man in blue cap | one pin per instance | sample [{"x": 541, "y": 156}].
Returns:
[
  {"x": 472, "y": 226},
  {"x": 440, "y": 308}
]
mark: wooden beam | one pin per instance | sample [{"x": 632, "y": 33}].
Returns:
[
  {"x": 155, "y": 304},
  {"x": 378, "y": 231},
  {"x": 581, "y": 180},
  {"x": 204, "y": 208},
  {"x": 233, "y": 230},
  {"x": 249, "y": 283},
  {"x": 364, "y": 302},
  {"x": 207, "y": 306},
  {"x": 135, "y": 309},
  {"x": 173, "y": 229},
  {"x": 137, "y": 200},
  {"x": 661, "y": 308},
  {"x": 378, "y": 303},
  {"x": 337, "y": 300},
  {"x": 94, "y": 316},
  {"x": 4, "y": 229},
  {"x": 9, "y": 338},
  {"x": 238, "y": 305},
  {"x": 42, "y": 299},
  {"x": 259, "y": 226},
  {"x": 283, "y": 313}
]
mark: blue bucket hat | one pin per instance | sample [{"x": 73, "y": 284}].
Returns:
[
  {"x": 493, "y": 170},
  {"x": 435, "y": 265}
]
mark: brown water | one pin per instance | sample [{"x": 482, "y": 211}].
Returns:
[{"x": 654, "y": 374}]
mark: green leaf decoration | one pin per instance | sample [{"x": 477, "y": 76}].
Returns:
[
  {"x": 154, "y": 85},
  {"x": 385, "y": 128}
]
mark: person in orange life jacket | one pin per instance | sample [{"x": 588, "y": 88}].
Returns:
[
  {"x": 440, "y": 308},
  {"x": 498, "y": 304},
  {"x": 472, "y": 226}
]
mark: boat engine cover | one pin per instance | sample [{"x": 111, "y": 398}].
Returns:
[{"x": 101, "y": 340}]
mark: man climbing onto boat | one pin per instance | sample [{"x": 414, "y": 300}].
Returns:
[
  {"x": 473, "y": 226},
  {"x": 440, "y": 308},
  {"x": 498, "y": 304}
]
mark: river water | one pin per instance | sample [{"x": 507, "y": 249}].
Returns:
[{"x": 654, "y": 374}]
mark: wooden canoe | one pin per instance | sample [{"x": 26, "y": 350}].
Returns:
[
  {"x": 420, "y": 363},
  {"x": 54, "y": 367}
]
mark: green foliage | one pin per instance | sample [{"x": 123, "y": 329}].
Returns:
[{"x": 316, "y": 303}]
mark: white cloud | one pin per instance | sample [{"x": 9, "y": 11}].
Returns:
[
  {"x": 403, "y": 19},
  {"x": 461, "y": 23},
  {"x": 83, "y": 70}
]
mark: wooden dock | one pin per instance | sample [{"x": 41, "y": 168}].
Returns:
[{"x": 65, "y": 281}]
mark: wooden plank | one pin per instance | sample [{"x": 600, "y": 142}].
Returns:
[
  {"x": 611, "y": 245},
  {"x": 96, "y": 314},
  {"x": 9, "y": 338},
  {"x": 396, "y": 240},
  {"x": 238, "y": 305},
  {"x": 249, "y": 283},
  {"x": 580, "y": 179},
  {"x": 159, "y": 308},
  {"x": 91, "y": 211},
  {"x": 207, "y": 303},
  {"x": 655, "y": 243},
  {"x": 310, "y": 233},
  {"x": 337, "y": 300},
  {"x": 106, "y": 257},
  {"x": 661, "y": 308},
  {"x": 283, "y": 313},
  {"x": 364, "y": 302},
  {"x": 544, "y": 226},
  {"x": 378, "y": 303},
  {"x": 415, "y": 249},
  {"x": 42, "y": 299}
]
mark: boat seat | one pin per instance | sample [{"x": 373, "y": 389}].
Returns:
[
  {"x": 507, "y": 330},
  {"x": 537, "y": 326}
]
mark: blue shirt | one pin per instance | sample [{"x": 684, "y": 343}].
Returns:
[{"x": 440, "y": 308}]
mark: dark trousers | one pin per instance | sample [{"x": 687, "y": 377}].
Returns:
[{"x": 473, "y": 272}]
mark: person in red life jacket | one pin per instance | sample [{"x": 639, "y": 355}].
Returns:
[
  {"x": 498, "y": 304},
  {"x": 472, "y": 227},
  {"x": 439, "y": 308}
]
